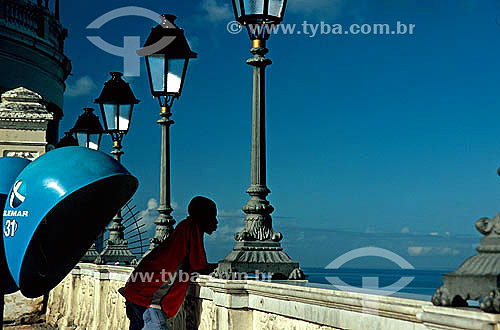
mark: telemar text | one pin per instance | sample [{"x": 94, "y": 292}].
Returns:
[{"x": 11, "y": 213}]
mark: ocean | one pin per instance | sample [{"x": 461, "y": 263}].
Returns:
[{"x": 423, "y": 285}]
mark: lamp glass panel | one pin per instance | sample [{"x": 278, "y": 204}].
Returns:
[
  {"x": 157, "y": 67},
  {"x": 276, "y": 7},
  {"x": 238, "y": 7},
  {"x": 124, "y": 117},
  {"x": 254, "y": 7},
  {"x": 94, "y": 141},
  {"x": 174, "y": 78},
  {"x": 82, "y": 139},
  {"x": 110, "y": 111}
]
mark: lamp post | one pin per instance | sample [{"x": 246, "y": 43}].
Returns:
[
  {"x": 88, "y": 130},
  {"x": 117, "y": 103},
  {"x": 257, "y": 247},
  {"x": 67, "y": 141},
  {"x": 167, "y": 56},
  {"x": 86, "y": 133}
]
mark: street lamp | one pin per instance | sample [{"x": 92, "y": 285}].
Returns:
[
  {"x": 255, "y": 15},
  {"x": 167, "y": 56},
  {"x": 258, "y": 246},
  {"x": 117, "y": 103},
  {"x": 67, "y": 141},
  {"x": 88, "y": 130}
]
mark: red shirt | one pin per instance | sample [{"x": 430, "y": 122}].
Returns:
[{"x": 185, "y": 241}]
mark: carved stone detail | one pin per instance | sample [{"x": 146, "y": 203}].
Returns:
[
  {"x": 21, "y": 106},
  {"x": 31, "y": 155},
  {"x": 270, "y": 321},
  {"x": 441, "y": 297},
  {"x": 479, "y": 276},
  {"x": 491, "y": 303}
]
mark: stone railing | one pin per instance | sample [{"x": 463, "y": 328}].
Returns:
[
  {"x": 88, "y": 299},
  {"x": 34, "y": 19}
]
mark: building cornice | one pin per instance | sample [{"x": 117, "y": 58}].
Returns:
[{"x": 23, "y": 109}]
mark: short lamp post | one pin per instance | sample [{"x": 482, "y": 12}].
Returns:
[
  {"x": 167, "y": 56},
  {"x": 117, "y": 103},
  {"x": 258, "y": 246},
  {"x": 67, "y": 141},
  {"x": 87, "y": 133}
]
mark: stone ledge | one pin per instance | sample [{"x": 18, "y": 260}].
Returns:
[
  {"x": 254, "y": 305},
  {"x": 458, "y": 318},
  {"x": 103, "y": 272},
  {"x": 24, "y": 143},
  {"x": 340, "y": 309}
]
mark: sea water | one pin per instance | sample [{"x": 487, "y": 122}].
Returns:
[{"x": 423, "y": 285}]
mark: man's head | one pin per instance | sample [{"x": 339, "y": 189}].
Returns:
[{"x": 204, "y": 211}]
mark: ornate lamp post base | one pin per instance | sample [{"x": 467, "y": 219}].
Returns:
[
  {"x": 114, "y": 253},
  {"x": 90, "y": 255},
  {"x": 164, "y": 226},
  {"x": 260, "y": 257},
  {"x": 116, "y": 250},
  {"x": 479, "y": 276}
]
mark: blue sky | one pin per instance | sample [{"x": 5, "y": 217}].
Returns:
[{"x": 390, "y": 136}]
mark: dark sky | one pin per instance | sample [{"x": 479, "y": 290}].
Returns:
[{"x": 392, "y": 135}]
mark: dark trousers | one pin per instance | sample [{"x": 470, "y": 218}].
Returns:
[{"x": 134, "y": 314}]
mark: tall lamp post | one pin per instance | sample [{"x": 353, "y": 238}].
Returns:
[
  {"x": 86, "y": 133},
  {"x": 258, "y": 246},
  {"x": 117, "y": 103},
  {"x": 167, "y": 56}
]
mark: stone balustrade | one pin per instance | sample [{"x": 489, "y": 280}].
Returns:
[{"x": 88, "y": 299}]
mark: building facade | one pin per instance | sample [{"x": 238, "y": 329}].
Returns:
[{"x": 32, "y": 54}]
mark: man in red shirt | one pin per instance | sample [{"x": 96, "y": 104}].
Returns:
[{"x": 156, "y": 288}]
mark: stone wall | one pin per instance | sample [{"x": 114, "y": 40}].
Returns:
[
  {"x": 88, "y": 299},
  {"x": 19, "y": 309}
]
